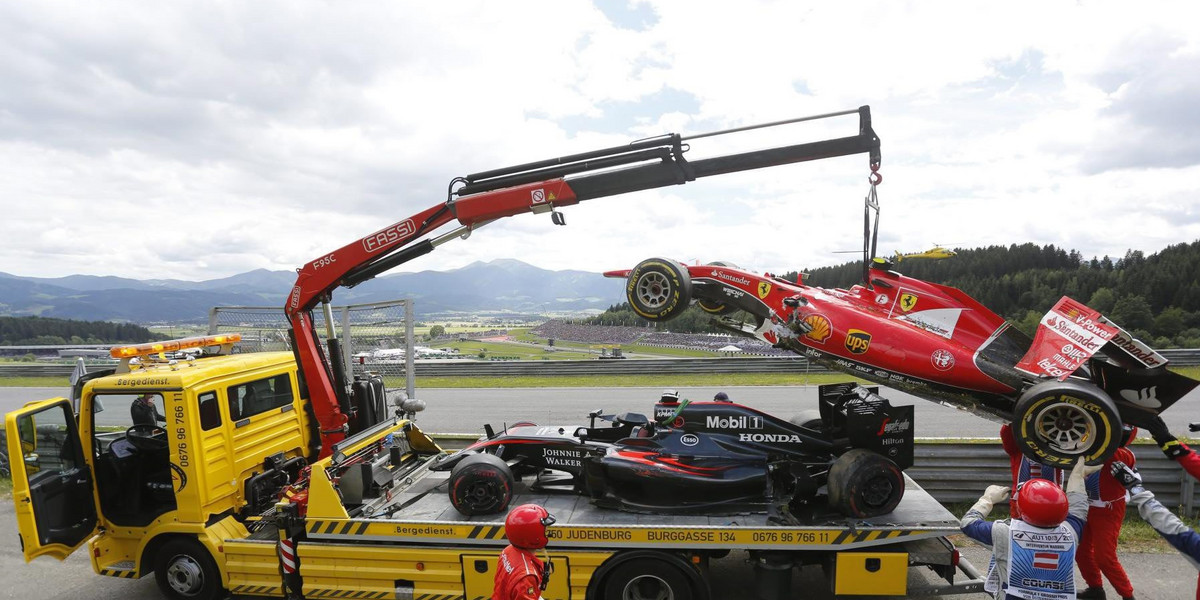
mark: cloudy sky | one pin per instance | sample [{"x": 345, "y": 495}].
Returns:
[{"x": 195, "y": 140}]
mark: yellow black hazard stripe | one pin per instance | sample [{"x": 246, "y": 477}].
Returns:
[
  {"x": 487, "y": 532},
  {"x": 256, "y": 590},
  {"x": 338, "y": 527},
  {"x": 122, "y": 573},
  {"x": 361, "y": 594},
  {"x": 849, "y": 537}
]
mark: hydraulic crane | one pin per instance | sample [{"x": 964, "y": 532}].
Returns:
[{"x": 480, "y": 198}]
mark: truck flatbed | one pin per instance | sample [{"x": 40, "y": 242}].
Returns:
[{"x": 428, "y": 517}]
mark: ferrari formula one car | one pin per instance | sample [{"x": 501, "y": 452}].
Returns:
[
  {"x": 709, "y": 457},
  {"x": 1067, "y": 392}
]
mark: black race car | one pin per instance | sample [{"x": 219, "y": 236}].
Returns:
[{"x": 709, "y": 457}]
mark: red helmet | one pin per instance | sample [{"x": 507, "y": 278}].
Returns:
[
  {"x": 1042, "y": 503},
  {"x": 526, "y": 526}
]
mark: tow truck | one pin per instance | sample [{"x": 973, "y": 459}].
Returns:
[{"x": 277, "y": 475}]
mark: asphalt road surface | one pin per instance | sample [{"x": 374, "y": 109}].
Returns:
[
  {"x": 1157, "y": 576},
  {"x": 467, "y": 410},
  {"x": 1161, "y": 576}
]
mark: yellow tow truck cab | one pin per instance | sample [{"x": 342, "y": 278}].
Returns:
[{"x": 186, "y": 469}]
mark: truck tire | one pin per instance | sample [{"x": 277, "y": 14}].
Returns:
[
  {"x": 647, "y": 578},
  {"x": 1057, "y": 422},
  {"x": 865, "y": 484},
  {"x": 659, "y": 289},
  {"x": 481, "y": 485},
  {"x": 717, "y": 308},
  {"x": 184, "y": 570}
]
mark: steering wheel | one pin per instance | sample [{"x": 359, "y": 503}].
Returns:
[{"x": 147, "y": 437}]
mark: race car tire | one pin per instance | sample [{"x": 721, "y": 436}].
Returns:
[
  {"x": 647, "y": 577},
  {"x": 658, "y": 289},
  {"x": 481, "y": 485},
  {"x": 1057, "y": 422},
  {"x": 808, "y": 419},
  {"x": 184, "y": 570},
  {"x": 865, "y": 484},
  {"x": 717, "y": 308}
]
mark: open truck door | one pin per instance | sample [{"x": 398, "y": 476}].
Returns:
[{"x": 53, "y": 487}]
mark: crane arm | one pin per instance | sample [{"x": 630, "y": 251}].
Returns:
[{"x": 536, "y": 187}]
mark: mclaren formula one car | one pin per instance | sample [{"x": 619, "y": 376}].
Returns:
[
  {"x": 1067, "y": 392},
  {"x": 711, "y": 457}
]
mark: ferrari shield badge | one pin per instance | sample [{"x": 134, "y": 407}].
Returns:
[
  {"x": 764, "y": 288},
  {"x": 907, "y": 302}
]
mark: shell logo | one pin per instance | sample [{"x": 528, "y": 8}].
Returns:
[{"x": 821, "y": 328}]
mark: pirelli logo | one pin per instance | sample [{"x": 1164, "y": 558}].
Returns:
[{"x": 388, "y": 236}]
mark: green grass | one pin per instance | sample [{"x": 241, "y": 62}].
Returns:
[
  {"x": 63, "y": 381},
  {"x": 665, "y": 380}
]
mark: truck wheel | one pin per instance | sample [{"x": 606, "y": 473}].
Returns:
[
  {"x": 1056, "y": 422},
  {"x": 481, "y": 485},
  {"x": 647, "y": 579},
  {"x": 185, "y": 571},
  {"x": 659, "y": 289},
  {"x": 717, "y": 308},
  {"x": 865, "y": 484}
]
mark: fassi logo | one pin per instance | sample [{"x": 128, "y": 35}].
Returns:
[{"x": 386, "y": 237}]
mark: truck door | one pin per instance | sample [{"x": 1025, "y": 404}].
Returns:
[{"x": 52, "y": 484}]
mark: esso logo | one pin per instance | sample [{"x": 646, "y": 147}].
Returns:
[{"x": 689, "y": 439}]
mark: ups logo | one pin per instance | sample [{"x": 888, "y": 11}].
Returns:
[{"x": 857, "y": 341}]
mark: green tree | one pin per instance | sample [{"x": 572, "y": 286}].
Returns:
[
  {"x": 436, "y": 331},
  {"x": 1103, "y": 300},
  {"x": 1133, "y": 312}
]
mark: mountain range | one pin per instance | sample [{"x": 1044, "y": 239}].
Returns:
[{"x": 498, "y": 286}]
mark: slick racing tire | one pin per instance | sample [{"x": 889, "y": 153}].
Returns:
[
  {"x": 1057, "y": 422},
  {"x": 481, "y": 485},
  {"x": 184, "y": 570},
  {"x": 864, "y": 484},
  {"x": 808, "y": 419},
  {"x": 659, "y": 289},
  {"x": 716, "y": 308}
]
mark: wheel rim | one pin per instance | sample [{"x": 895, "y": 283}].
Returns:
[
  {"x": 1068, "y": 428},
  {"x": 647, "y": 587},
  {"x": 481, "y": 496},
  {"x": 185, "y": 575},
  {"x": 653, "y": 290},
  {"x": 878, "y": 491}
]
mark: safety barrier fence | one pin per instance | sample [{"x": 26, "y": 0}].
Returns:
[
  {"x": 472, "y": 368},
  {"x": 951, "y": 471}
]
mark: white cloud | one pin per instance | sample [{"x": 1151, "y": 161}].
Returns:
[{"x": 199, "y": 140}]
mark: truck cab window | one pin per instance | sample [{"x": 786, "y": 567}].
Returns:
[
  {"x": 258, "y": 396},
  {"x": 210, "y": 411}
]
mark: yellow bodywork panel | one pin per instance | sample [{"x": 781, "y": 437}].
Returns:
[
  {"x": 871, "y": 573},
  {"x": 252, "y": 569}
]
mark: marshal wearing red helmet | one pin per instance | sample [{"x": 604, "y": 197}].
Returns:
[
  {"x": 1035, "y": 554},
  {"x": 520, "y": 575}
]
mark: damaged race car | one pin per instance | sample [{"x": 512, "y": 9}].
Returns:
[
  {"x": 1067, "y": 392},
  {"x": 710, "y": 457}
]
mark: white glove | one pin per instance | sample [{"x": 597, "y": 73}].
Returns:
[
  {"x": 1078, "y": 473},
  {"x": 991, "y": 496}
]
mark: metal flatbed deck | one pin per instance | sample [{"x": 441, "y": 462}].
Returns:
[{"x": 428, "y": 517}]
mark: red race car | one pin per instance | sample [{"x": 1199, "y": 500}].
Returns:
[{"x": 1067, "y": 392}]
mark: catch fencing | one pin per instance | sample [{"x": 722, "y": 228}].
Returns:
[
  {"x": 268, "y": 334},
  {"x": 361, "y": 328}
]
